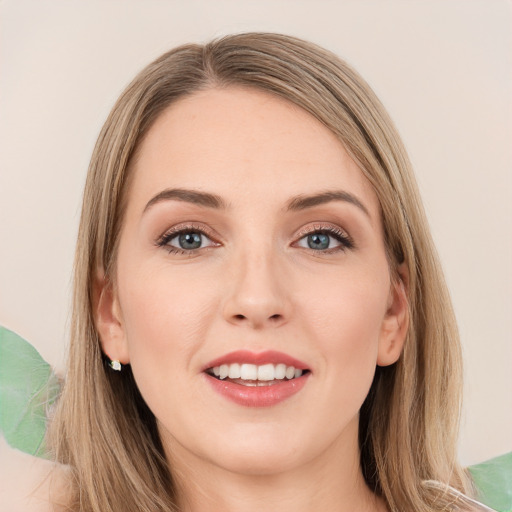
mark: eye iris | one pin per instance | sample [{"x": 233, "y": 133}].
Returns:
[
  {"x": 190, "y": 240},
  {"x": 318, "y": 241}
]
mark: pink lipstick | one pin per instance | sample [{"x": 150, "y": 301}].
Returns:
[
  {"x": 258, "y": 358},
  {"x": 258, "y": 379}
]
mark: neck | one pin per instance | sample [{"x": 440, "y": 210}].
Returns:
[{"x": 333, "y": 481}]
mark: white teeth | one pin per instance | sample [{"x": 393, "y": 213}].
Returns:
[
  {"x": 224, "y": 371},
  {"x": 265, "y": 372},
  {"x": 249, "y": 372},
  {"x": 234, "y": 371},
  {"x": 280, "y": 371}
]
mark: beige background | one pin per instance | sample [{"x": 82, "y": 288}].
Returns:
[{"x": 443, "y": 69}]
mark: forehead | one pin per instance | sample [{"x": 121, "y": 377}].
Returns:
[{"x": 237, "y": 141}]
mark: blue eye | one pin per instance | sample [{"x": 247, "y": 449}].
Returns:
[
  {"x": 185, "y": 241},
  {"x": 326, "y": 240},
  {"x": 318, "y": 241}
]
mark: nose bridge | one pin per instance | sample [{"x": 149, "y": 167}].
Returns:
[{"x": 257, "y": 296}]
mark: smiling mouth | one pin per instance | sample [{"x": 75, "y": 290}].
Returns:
[{"x": 252, "y": 375}]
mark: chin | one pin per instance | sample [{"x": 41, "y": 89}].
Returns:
[
  {"x": 262, "y": 450},
  {"x": 258, "y": 462}
]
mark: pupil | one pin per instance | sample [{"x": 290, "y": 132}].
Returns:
[
  {"x": 318, "y": 241},
  {"x": 190, "y": 240}
]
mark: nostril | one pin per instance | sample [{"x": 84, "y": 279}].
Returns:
[{"x": 273, "y": 318}]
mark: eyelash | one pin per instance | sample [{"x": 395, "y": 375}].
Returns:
[
  {"x": 172, "y": 233},
  {"x": 346, "y": 242},
  {"x": 341, "y": 236}
]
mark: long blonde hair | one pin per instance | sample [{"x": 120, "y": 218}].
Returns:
[{"x": 409, "y": 421}]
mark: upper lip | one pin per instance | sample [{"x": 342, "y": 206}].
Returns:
[{"x": 257, "y": 358}]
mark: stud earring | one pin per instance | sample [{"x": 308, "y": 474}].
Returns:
[{"x": 115, "y": 365}]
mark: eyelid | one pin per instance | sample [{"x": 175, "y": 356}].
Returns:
[
  {"x": 346, "y": 241},
  {"x": 184, "y": 227},
  {"x": 321, "y": 226}
]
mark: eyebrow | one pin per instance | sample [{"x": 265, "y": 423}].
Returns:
[
  {"x": 303, "y": 202},
  {"x": 189, "y": 196},
  {"x": 208, "y": 200}
]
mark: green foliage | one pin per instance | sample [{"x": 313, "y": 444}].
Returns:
[
  {"x": 28, "y": 387},
  {"x": 493, "y": 480}
]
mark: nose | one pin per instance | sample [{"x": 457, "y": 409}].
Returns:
[{"x": 257, "y": 294}]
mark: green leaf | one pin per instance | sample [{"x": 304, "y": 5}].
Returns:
[
  {"x": 28, "y": 387},
  {"x": 493, "y": 480}
]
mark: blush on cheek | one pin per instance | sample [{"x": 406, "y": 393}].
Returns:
[{"x": 164, "y": 317}]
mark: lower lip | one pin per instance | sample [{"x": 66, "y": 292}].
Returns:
[{"x": 258, "y": 396}]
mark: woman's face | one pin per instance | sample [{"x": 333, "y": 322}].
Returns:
[{"x": 251, "y": 244}]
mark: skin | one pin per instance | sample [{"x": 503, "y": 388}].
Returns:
[{"x": 254, "y": 284}]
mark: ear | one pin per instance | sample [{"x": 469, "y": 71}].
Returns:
[
  {"x": 108, "y": 320},
  {"x": 396, "y": 321}
]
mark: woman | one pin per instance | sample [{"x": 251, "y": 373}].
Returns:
[{"x": 260, "y": 318}]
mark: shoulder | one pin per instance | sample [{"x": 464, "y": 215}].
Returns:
[{"x": 30, "y": 484}]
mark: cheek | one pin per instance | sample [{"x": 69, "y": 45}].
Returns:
[
  {"x": 346, "y": 323},
  {"x": 165, "y": 322},
  {"x": 164, "y": 319},
  {"x": 348, "y": 311}
]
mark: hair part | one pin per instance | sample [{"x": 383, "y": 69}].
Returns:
[{"x": 409, "y": 422}]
